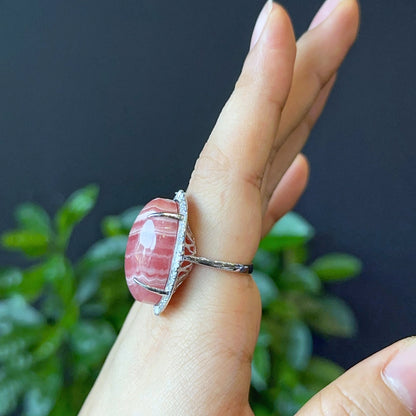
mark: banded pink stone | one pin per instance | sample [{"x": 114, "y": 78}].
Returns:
[{"x": 150, "y": 249}]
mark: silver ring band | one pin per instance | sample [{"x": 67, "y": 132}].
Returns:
[{"x": 222, "y": 265}]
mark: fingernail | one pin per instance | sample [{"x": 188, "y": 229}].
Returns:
[
  {"x": 324, "y": 12},
  {"x": 261, "y": 22},
  {"x": 400, "y": 376}
]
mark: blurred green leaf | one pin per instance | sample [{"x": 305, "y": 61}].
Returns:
[
  {"x": 32, "y": 243},
  {"x": 336, "y": 266},
  {"x": 111, "y": 226},
  {"x": 110, "y": 291},
  {"x": 272, "y": 335},
  {"x": 50, "y": 341},
  {"x": 120, "y": 224},
  {"x": 91, "y": 340},
  {"x": 71, "y": 315},
  {"x": 261, "y": 410},
  {"x": 117, "y": 311},
  {"x": 260, "y": 367},
  {"x": 58, "y": 271},
  {"x": 330, "y": 316},
  {"x": 289, "y": 401},
  {"x": 287, "y": 404},
  {"x": 86, "y": 289},
  {"x": 54, "y": 270},
  {"x": 40, "y": 399},
  {"x": 16, "y": 341},
  {"x": 266, "y": 262},
  {"x": 10, "y": 390},
  {"x": 291, "y": 231},
  {"x": 34, "y": 218},
  {"x": 264, "y": 339},
  {"x": 65, "y": 405},
  {"x": 284, "y": 309},
  {"x": 267, "y": 288},
  {"x": 16, "y": 311},
  {"x": 320, "y": 372},
  {"x": 106, "y": 254},
  {"x": 59, "y": 318},
  {"x": 20, "y": 362},
  {"x": 297, "y": 254},
  {"x": 103, "y": 257},
  {"x": 287, "y": 377},
  {"x": 77, "y": 206},
  {"x": 92, "y": 310},
  {"x": 33, "y": 283},
  {"x": 298, "y": 344},
  {"x": 9, "y": 278},
  {"x": 51, "y": 305},
  {"x": 8, "y": 400},
  {"x": 301, "y": 278}
]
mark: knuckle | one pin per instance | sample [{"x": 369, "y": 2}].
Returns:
[
  {"x": 245, "y": 81},
  {"x": 212, "y": 164},
  {"x": 347, "y": 404},
  {"x": 215, "y": 167},
  {"x": 320, "y": 78},
  {"x": 307, "y": 125},
  {"x": 257, "y": 89},
  {"x": 337, "y": 401},
  {"x": 253, "y": 179}
]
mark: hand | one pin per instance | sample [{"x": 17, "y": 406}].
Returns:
[{"x": 195, "y": 358}]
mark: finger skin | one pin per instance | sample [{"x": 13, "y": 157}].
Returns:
[
  {"x": 223, "y": 192},
  {"x": 320, "y": 53},
  {"x": 287, "y": 192},
  {"x": 298, "y": 137},
  {"x": 361, "y": 390},
  {"x": 249, "y": 121},
  {"x": 196, "y": 357},
  {"x": 189, "y": 361}
]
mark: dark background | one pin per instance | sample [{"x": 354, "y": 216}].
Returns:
[{"x": 125, "y": 93}]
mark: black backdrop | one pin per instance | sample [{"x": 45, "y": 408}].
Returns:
[{"x": 124, "y": 94}]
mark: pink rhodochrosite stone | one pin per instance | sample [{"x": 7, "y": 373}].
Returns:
[{"x": 150, "y": 249}]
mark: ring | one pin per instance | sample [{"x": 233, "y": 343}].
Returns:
[{"x": 161, "y": 251}]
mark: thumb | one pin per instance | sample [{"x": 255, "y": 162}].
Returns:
[{"x": 382, "y": 385}]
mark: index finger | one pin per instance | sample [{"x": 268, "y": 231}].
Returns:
[{"x": 231, "y": 166}]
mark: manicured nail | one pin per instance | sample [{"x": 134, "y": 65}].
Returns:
[
  {"x": 261, "y": 22},
  {"x": 326, "y": 9},
  {"x": 400, "y": 376}
]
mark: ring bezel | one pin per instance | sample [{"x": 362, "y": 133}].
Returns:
[{"x": 178, "y": 253}]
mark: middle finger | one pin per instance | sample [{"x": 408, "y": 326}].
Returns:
[{"x": 320, "y": 53}]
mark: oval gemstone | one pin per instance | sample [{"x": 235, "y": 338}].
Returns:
[{"x": 150, "y": 249}]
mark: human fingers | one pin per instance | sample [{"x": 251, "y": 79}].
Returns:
[
  {"x": 196, "y": 357},
  {"x": 321, "y": 51},
  {"x": 224, "y": 189},
  {"x": 382, "y": 385},
  {"x": 297, "y": 138},
  {"x": 287, "y": 192}
]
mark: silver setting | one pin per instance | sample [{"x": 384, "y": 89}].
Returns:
[
  {"x": 223, "y": 265},
  {"x": 150, "y": 288},
  {"x": 178, "y": 217},
  {"x": 171, "y": 284},
  {"x": 179, "y": 256}
]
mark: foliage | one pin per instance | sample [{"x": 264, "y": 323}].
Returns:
[
  {"x": 59, "y": 318},
  {"x": 285, "y": 374}
]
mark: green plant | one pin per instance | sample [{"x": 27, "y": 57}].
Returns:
[
  {"x": 59, "y": 318},
  {"x": 285, "y": 374}
]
